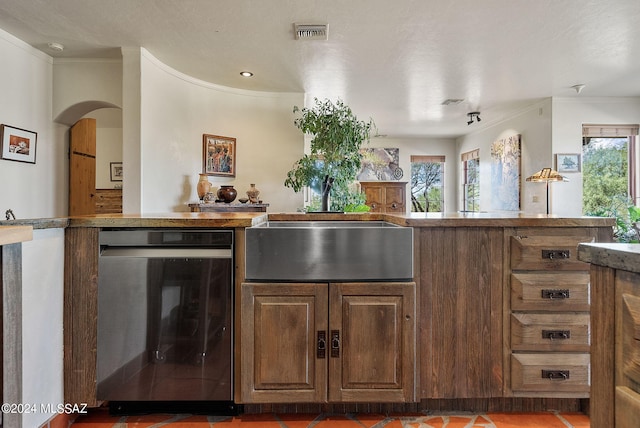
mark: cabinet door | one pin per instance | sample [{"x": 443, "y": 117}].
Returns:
[
  {"x": 372, "y": 342},
  {"x": 374, "y": 197},
  {"x": 280, "y": 360},
  {"x": 394, "y": 198}
]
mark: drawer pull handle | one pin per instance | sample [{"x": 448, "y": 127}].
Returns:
[
  {"x": 321, "y": 350},
  {"x": 556, "y": 334},
  {"x": 335, "y": 343},
  {"x": 556, "y": 254},
  {"x": 555, "y": 294},
  {"x": 555, "y": 374}
]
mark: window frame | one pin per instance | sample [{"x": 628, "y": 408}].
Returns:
[
  {"x": 439, "y": 159},
  {"x": 470, "y": 204}
]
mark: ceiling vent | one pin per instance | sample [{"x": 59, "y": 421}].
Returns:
[{"x": 311, "y": 31}]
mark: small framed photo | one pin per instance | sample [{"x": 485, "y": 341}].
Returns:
[
  {"x": 18, "y": 144},
  {"x": 568, "y": 162},
  {"x": 116, "y": 171},
  {"x": 218, "y": 155}
]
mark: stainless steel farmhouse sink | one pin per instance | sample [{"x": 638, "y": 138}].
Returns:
[{"x": 329, "y": 251}]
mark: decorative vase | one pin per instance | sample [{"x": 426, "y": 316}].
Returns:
[
  {"x": 227, "y": 194},
  {"x": 204, "y": 186},
  {"x": 209, "y": 197},
  {"x": 253, "y": 194}
]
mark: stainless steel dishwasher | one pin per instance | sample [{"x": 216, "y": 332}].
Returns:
[{"x": 165, "y": 313}]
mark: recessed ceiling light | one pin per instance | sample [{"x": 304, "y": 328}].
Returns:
[{"x": 246, "y": 74}]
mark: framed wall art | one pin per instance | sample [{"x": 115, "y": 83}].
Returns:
[
  {"x": 218, "y": 155},
  {"x": 568, "y": 162},
  {"x": 505, "y": 174},
  {"x": 116, "y": 171},
  {"x": 380, "y": 164},
  {"x": 18, "y": 144}
]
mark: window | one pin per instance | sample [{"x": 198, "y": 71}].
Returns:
[
  {"x": 427, "y": 183},
  {"x": 609, "y": 178},
  {"x": 471, "y": 186}
]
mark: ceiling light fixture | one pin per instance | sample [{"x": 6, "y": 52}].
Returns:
[
  {"x": 473, "y": 115},
  {"x": 246, "y": 74},
  {"x": 578, "y": 88},
  {"x": 452, "y": 101},
  {"x": 58, "y": 47}
]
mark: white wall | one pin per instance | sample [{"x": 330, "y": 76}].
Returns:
[
  {"x": 108, "y": 145},
  {"x": 424, "y": 146},
  {"x": 131, "y": 136},
  {"x": 42, "y": 313},
  {"x": 30, "y": 190},
  {"x": 82, "y": 85},
  {"x": 569, "y": 114},
  {"x": 534, "y": 126},
  {"x": 176, "y": 110},
  {"x": 34, "y": 191}
]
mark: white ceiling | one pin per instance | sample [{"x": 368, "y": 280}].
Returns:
[{"x": 395, "y": 61}]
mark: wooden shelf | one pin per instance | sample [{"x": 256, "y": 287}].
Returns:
[{"x": 222, "y": 207}]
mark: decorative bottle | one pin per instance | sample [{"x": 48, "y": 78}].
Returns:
[
  {"x": 204, "y": 186},
  {"x": 253, "y": 194}
]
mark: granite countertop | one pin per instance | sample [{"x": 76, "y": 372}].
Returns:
[
  {"x": 461, "y": 219},
  {"x": 15, "y": 234},
  {"x": 181, "y": 219},
  {"x": 248, "y": 219},
  {"x": 617, "y": 256},
  {"x": 38, "y": 223},
  {"x": 501, "y": 219}
]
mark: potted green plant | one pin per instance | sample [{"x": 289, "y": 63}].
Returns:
[{"x": 334, "y": 159}]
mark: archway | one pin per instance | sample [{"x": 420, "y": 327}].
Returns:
[{"x": 105, "y": 161}]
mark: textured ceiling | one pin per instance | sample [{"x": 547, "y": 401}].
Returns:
[{"x": 394, "y": 61}]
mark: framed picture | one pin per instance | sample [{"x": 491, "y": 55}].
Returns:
[
  {"x": 18, "y": 144},
  {"x": 505, "y": 173},
  {"x": 568, "y": 162},
  {"x": 218, "y": 155},
  {"x": 116, "y": 171}
]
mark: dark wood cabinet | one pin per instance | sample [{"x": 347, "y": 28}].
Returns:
[
  {"x": 385, "y": 196},
  {"x": 338, "y": 342}
]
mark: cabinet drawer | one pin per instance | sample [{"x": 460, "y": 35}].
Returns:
[
  {"x": 557, "y": 252},
  {"x": 550, "y": 291},
  {"x": 554, "y": 373},
  {"x": 550, "y": 332},
  {"x": 394, "y": 208}
]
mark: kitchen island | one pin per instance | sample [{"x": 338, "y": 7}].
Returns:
[
  {"x": 488, "y": 288},
  {"x": 11, "y": 239},
  {"x": 615, "y": 357}
]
